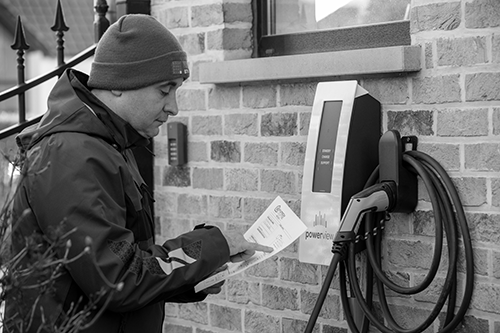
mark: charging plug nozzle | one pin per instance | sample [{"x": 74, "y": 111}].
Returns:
[{"x": 376, "y": 198}]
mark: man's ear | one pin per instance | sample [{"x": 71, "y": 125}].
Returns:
[{"x": 117, "y": 93}]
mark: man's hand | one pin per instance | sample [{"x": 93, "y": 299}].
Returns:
[
  {"x": 239, "y": 248},
  {"x": 216, "y": 288}
]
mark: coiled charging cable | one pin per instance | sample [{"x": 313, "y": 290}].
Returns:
[{"x": 450, "y": 221}]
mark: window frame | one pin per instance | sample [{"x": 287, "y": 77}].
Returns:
[{"x": 386, "y": 34}]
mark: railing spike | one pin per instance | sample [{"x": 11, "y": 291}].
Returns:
[
  {"x": 59, "y": 23},
  {"x": 20, "y": 45},
  {"x": 59, "y": 27},
  {"x": 101, "y": 23},
  {"x": 19, "y": 37}
]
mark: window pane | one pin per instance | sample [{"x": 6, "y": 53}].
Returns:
[{"x": 292, "y": 16}]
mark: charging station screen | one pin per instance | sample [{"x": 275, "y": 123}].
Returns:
[{"x": 327, "y": 138}]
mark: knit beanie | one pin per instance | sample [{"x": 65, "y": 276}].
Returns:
[{"x": 135, "y": 52}]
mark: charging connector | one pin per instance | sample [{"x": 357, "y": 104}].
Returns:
[{"x": 377, "y": 198}]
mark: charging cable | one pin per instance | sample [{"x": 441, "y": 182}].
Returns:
[
  {"x": 375, "y": 198},
  {"x": 450, "y": 222}
]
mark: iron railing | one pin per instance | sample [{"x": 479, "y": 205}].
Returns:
[{"x": 20, "y": 44}]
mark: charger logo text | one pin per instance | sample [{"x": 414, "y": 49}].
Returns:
[{"x": 319, "y": 235}]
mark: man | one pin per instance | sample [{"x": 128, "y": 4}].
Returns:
[{"x": 80, "y": 171}]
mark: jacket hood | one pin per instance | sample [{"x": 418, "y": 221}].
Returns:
[{"x": 73, "y": 108}]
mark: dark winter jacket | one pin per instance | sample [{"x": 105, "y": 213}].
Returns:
[{"x": 81, "y": 171}]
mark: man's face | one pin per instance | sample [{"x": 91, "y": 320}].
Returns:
[{"x": 148, "y": 108}]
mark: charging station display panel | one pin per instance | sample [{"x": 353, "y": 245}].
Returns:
[{"x": 323, "y": 171}]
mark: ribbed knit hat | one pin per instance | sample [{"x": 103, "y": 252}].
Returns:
[{"x": 135, "y": 52}]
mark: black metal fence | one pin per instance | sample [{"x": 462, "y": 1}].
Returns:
[{"x": 101, "y": 23}]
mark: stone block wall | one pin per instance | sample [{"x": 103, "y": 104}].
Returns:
[{"x": 246, "y": 144}]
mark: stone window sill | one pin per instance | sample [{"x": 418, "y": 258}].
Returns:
[{"x": 394, "y": 60}]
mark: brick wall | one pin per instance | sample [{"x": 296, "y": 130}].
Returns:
[{"x": 247, "y": 145}]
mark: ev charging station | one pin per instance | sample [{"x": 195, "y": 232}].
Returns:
[
  {"x": 353, "y": 175},
  {"x": 341, "y": 153}
]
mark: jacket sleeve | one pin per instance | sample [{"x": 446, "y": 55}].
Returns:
[{"x": 83, "y": 185}]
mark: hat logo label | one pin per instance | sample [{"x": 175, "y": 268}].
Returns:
[{"x": 180, "y": 68}]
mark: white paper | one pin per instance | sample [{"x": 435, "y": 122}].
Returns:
[{"x": 277, "y": 227}]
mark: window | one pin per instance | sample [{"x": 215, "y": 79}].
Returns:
[{"x": 309, "y": 26}]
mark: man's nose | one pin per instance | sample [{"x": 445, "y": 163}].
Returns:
[{"x": 172, "y": 108}]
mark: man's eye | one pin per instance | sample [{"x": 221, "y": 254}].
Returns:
[{"x": 164, "y": 93}]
